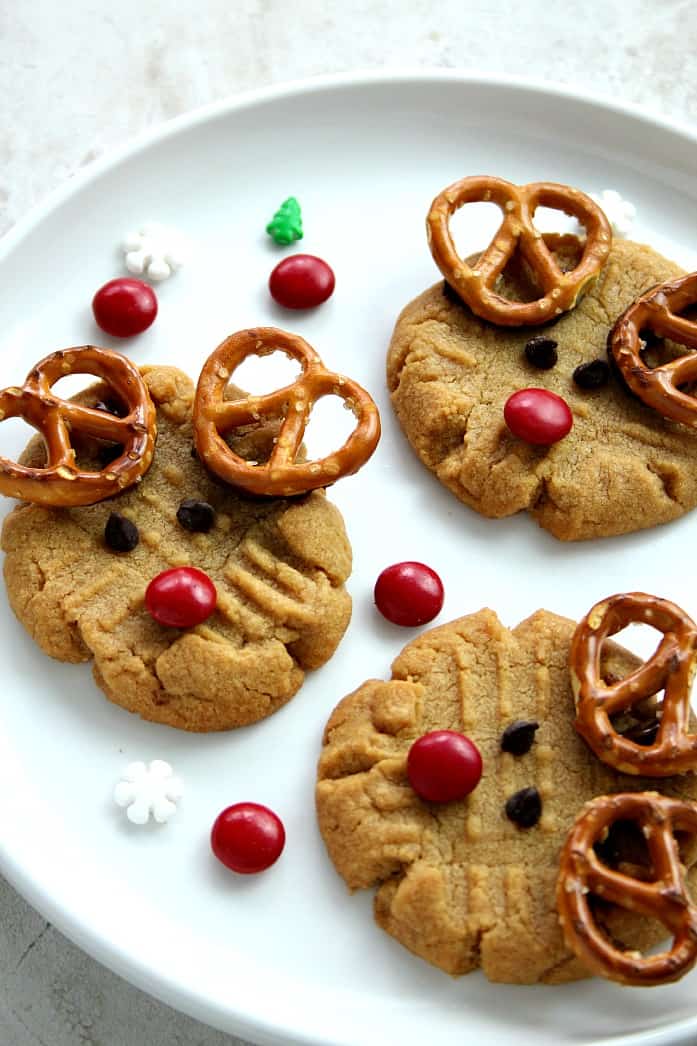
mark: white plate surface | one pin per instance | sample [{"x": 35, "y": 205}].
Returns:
[{"x": 289, "y": 956}]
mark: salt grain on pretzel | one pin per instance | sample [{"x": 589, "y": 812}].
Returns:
[
  {"x": 583, "y": 876},
  {"x": 671, "y": 669},
  {"x": 658, "y": 310},
  {"x": 216, "y": 417},
  {"x": 476, "y": 286},
  {"x": 60, "y": 482}
]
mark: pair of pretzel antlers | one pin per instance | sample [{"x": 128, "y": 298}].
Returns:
[
  {"x": 657, "y": 310},
  {"x": 583, "y": 874},
  {"x": 61, "y": 483}
]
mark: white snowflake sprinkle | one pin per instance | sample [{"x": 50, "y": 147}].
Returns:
[
  {"x": 146, "y": 790},
  {"x": 619, "y": 212},
  {"x": 154, "y": 250}
]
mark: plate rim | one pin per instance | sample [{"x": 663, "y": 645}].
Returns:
[
  {"x": 260, "y": 1028},
  {"x": 363, "y": 77}
]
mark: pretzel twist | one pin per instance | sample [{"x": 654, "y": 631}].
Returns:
[
  {"x": 60, "y": 482},
  {"x": 215, "y": 417},
  {"x": 561, "y": 290},
  {"x": 583, "y": 875},
  {"x": 670, "y": 668},
  {"x": 658, "y": 310}
]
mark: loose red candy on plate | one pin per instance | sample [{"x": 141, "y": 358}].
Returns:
[
  {"x": 409, "y": 593},
  {"x": 443, "y": 766},
  {"x": 124, "y": 307},
  {"x": 538, "y": 416},
  {"x": 180, "y": 597},
  {"x": 247, "y": 838},
  {"x": 301, "y": 282}
]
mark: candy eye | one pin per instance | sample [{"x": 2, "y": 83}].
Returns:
[{"x": 443, "y": 765}]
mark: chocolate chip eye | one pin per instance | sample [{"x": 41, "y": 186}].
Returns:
[
  {"x": 524, "y": 808},
  {"x": 196, "y": 515},
  {"x": 541, "y": 352},
  {"x": 592, "y": 375},
  {"x": 120, "y": 534},
  {"x": 518, "y": 737}
]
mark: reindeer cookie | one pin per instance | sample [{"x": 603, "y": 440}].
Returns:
[
  {"x": 535, "y": 312},
  {"x": 80, "y": 576},
  {"x": 472, "y": 882}
]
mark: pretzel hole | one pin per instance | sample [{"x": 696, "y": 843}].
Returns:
[
  {"x": 474, "y": 223},
  {"x": 519, "y": 282},
  {"x": 80, "y": 386},
  {"x": 639, "y": 638},
  {"x": 551, "y": 219},
  {"x": 21, "y": 441},
  {"x": 655, "y": 350},
  {"x": 331, "y": 423},
  {"x": 624, "y": 849},
  {"x": 259, "y": 375}
]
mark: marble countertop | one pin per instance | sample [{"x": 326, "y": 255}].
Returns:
[{"x": 80, "y": 77}]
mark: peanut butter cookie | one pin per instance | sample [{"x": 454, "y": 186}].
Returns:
[
  {"x": 471, "y": 882},
  {"x": 622, "y": 467},
  {"x": 76, "y": 580}
]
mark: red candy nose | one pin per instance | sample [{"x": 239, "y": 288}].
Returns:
[{"x": 443, "y": 765}]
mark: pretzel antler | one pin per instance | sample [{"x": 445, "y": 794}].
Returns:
[
  {"x": 671, "y": 668},
  {"x": 582, "y": 875},
  {"x": 60, "y": 482},
  {"x": 658, "y": 310},
  {"x": 475, "y": 285},
  {"x": 215, "y": 417}
]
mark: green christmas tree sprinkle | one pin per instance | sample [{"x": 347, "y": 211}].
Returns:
[{"x": 287, "y": 223}]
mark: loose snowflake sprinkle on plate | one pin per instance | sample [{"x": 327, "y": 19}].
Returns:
[
  {"x": 146, "y": 790},
  {"x": 154, "y": 250}
]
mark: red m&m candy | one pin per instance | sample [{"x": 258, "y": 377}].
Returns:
[
  {"x": 409, "y": 593},
  {"x": 247, "y": 837},
  {"x": 538, "y": 416},
  {"x": 124, "y": 307},
  {"x": 181, "y": 597},
  {"x": 301, "y": 282},
  {"x": 443, "y": 765}
]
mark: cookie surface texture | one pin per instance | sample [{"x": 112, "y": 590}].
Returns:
[
  {"x": 458, "y": 883},
  {"x": 278, "y": 566},
  {"x": 621, "y": 468}
]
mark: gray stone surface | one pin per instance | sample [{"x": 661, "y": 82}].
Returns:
[{"x": 80, "y": 76}]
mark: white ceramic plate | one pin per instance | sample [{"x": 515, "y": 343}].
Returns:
[{"x": 289, "y": 956}]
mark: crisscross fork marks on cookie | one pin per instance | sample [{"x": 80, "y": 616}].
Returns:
[
  {"x": 665, "y": 897},
  {"x": 475, "y": 284},
  {"x": 661, "y": 387},
  {"x": 671, "y": 669}
]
